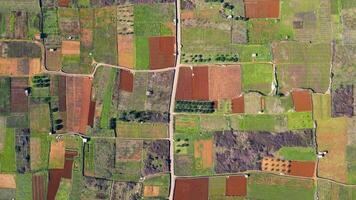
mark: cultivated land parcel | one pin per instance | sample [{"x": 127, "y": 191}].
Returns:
[{"x": 188, "y": 99}]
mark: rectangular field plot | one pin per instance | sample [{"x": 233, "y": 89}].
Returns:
[
  {"x": 141, "y": 130},
  {"x": 329, "y": 190},
  {"x": 273, "y": 187},
  {"x": 257, "y": 77},
  {"x": 5, "y": 95},
  {"x": 302, "y": 65},
  {"x": 157, "y": 186}
]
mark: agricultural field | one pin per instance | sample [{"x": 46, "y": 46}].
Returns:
[{"x": 95, "y": 105}]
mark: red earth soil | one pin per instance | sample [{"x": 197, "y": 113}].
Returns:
[
  {"x": 38, "y": 187},
  {"x": 78, "y": 100},
  {"x": 238, "y": 105},
  {"x": 301, "y": 168},
  {"x": 302, "y": 101},
  {"x": 194, "y": 189},
  {"x": 262, "y": 8},
  {"x": 126, "y": 81},
  {"x": 63, "y": 3},
  {"x": 62, "y": 94},
  {"x": 236, "y": 186},
  {"x": 55, "y": 175},
  {"x": 19, "y": 100},
  {"x": 91, "y": 114},
  {"x": 184, "y": 87},
  {"x": 162, "y": 52},
  {"x": 224, "y": 82},
  {"x": 200, "y": 83}
]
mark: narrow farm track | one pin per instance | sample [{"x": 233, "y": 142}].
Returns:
[{"x": 174, "y": 90}]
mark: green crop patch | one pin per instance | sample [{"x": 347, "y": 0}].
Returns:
[
  {"x": 105, "y": 38},
  {"x": 217, "y": 187},
  {"x": 107, "y": 99},
  {"x": 300, "y": 120},
  {"x": 141, "y": 130},
  {"x": 258, "y": 122},
  {"x": 8, "y": 154},
  {"x": 321, "y": 106},
  {"x": 187, "y": 124},
  {"x": 257, "y": 77},
  {"x": 273, "y": 187},
  {"x": 50, "y": 22},
  {"x": 297, "y": 153},
  {"x": 64, "y": 189},
  {"x": 5, "y": 95},
  {"x": 40, "y": 118}
]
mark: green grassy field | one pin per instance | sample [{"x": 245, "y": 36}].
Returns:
[
  {"x": 351, "y": 164},
  {"x": 8, "y": 155},
  {"x": 64, "y": 189},
  {"x": 50, "y": 25},
  {"x": 163, "y": 181},
  {"x": 321, "y": 106},
  {"x": 300, "y": 120},
  {"x": 41, "y": 161},
  {"x": 5, "y": 95},
  {"x": 107, "y": 99},
  {"x": 105, "y": 38},
  {"x": 259, "y": 122},
  {"x": 297, "y": 153},
  {"x": 257, "y": 77},
  {"x": 141, "y": 130},
  {"x": 70, "y": 64},
  {"x": 265, "y": 31},
  {"x": 128, "y": 171},
  {"x": 272, "y": 187},
  {"x": 24, "y": 186},
  {"x": 40, "y": 118},
  {"x": 187, "y": 124},
  {"x": 89, "y": 165},
  {"x": 348, "y": 4},
  {"x": 217, "y": 187},
  {"x": 142, "y": 52},
  {"x": 330, "y": 190}
]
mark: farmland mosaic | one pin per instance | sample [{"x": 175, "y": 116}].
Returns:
[{"x": 177, "y": 99}]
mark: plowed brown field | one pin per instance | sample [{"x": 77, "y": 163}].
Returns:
[
  {"x": 189, "y": 188},
  {"x": 262, "y": 8},
  {"x": 78, "y": 91},
  {"x": 300, "y": 168},
  {"x": 19, "y": 100},
  {"x": 162, "y": 52},
  {"x": 38, "y": 187},
  {"x": 238, "y": 105},
  {"x": 200, "y": 83},
  {"x": 126, "y": 81},
  {"x": 302, "y": 101},
  {"x": 236, "y": 186},
  {"x": 126, "y": 50},
  {"x": 184, "y": 87},
  {"x": 70, "y": 47},
  {"x": 224, "y": 82}
]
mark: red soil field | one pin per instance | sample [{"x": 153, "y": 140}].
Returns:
[
  {"x": 55, "y": 175},
  {"x": 38, "y": 187},
  {"x": 302, "y": 101},
  {"x": 78, "y": 100},
  {"x": 126, "y": 81},
  {"x": 262, "y": 8},
  {"x": 238, "y": 105},
  {"x": 162, "y": 52},
  {"x": 186, "y": 189},
  {"x": 200, "y": 83},
  {"x": 184, "y": 87},
  {"x": 91, "y": 113},
  {"x": 62, "y": 94},
  {"x": 70, "y": 47},
  {"x": 301, "y": 168},
  {"x": 224, "y": 82},
  {"x": 236, "y": 186},
  {"x": 19, "y": 100},
  {"x": 63, "y": 3}
]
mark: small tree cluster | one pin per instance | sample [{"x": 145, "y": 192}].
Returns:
[
  {"x": 144, "y": 116},
  {"x": 41, "y": 81},
  {"x": 226, "y": 58},
  {"x": 195, "y": 106}
]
